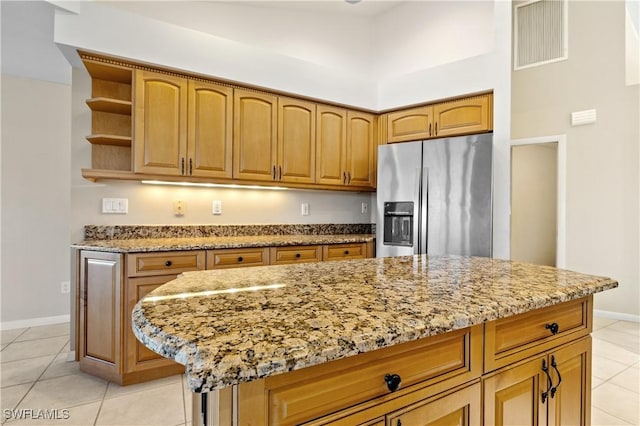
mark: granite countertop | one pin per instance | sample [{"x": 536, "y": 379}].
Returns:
[
  {"x": 137, "y": 245},
  {"x": 236, "y": 325}
]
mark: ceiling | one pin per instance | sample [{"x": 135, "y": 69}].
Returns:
[{"x": 365, "y": 8}]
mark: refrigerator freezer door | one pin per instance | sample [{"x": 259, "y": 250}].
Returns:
[
  {"x": 399, "y": 167},
  {"x": 456, "y": 192}
]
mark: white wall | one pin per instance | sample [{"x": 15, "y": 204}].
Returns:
[{"x": 603, "y": 188}]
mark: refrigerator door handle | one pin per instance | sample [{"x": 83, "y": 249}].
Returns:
[
  {"x": 417, "y": 247},
  {"x": 424, "y": 212}
]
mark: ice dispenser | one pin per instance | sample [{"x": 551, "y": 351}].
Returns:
[{"x": 398, "y": 223}]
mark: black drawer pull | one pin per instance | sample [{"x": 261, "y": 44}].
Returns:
[
  {"x": 553, "y": 327},
  {"x": 346, "y": 252},
  {"x": 240, "y": 259},
  {"x": 393, "y": 382},
  {"x": 168, "y": 263},
  {"x": 297, "y": 255}
]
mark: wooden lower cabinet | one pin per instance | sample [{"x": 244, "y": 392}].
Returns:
[
  {"x": 445, "y": 381},
  {"x": 549, "y": 389},
  {"x": 110, "y": 284}
]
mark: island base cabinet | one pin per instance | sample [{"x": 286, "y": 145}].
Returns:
[{"x": 550, "y": 389}]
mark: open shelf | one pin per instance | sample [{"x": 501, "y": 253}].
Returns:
[
  {"x": 110, "y": 140},
  {"x": 115, "y": 106},
  {"x": 109, "y": 72}
]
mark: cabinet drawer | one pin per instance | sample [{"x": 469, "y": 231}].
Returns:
[
  {"x": 514, "y": 338},
  {"x": 344, "y": 251},
  {"x": 163, "y": 263},
  {"x": 237, "y": 258},
  {"x": 295, "y": 254},
  {"x": 312, "y": 392}
]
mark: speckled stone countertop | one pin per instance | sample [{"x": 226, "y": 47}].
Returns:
[
  {"x": 139, "y": 245},
  {"x": 236, "y": 325},
  {"x": 149, "y": 238}
]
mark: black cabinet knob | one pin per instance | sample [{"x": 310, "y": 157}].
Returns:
[
  {"x": 240, "y": 258},
  {"x": 346, "y": 252},
  {"x": 393, "y": 382},
  {"x": 168, "y": 263},
  {"x": 553, "y": 327},
  {"x": 297, "y": 255}
]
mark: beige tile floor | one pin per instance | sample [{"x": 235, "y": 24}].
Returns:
[{"x": 35, "y": 374}]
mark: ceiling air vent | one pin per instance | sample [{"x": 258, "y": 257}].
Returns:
[{"x": 540, "y": 31}]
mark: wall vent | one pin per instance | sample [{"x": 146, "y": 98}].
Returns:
[{"x": 540, "y": 32}]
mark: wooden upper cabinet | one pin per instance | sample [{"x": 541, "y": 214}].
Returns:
[
  {"x": 160, "y": 138},
  {"x": 410, "y": 125},
  {"x": 210, "y": 135},
  {"x": 360, "y": 149},
  {"x": 462, "y": 116},
  {"x": 331, "y": 145},
  {"x": 255, "y": 144},
  {"x": 296, "y": 141}
]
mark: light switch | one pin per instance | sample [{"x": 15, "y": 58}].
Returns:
[
  {"x": 216, "y": 207},
  {"x": 115, "y": 205}
]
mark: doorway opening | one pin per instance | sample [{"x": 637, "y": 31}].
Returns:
[{"x": 538, "y": 167}]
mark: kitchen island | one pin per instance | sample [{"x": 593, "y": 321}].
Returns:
[{"x": 379, "y": 341}]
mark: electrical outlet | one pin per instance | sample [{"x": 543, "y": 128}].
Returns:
[
  {"x": 65, "y": 287},
  {"x": 179, "y": 208},
  {"x": 364, "y": 208},
  {"x": 304, "y": 209}
]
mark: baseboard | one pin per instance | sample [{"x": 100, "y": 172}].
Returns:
[
  {"x": 616, "y": 315},
  {"x": 34, "y": 322}
]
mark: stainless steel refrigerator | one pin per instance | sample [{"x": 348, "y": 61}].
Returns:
[{"x": 434, "y": 197}]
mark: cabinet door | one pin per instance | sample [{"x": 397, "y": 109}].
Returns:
[
  {"x": 138, "y": 356},
  {"x": 254, "y": 137},
  {"x": 360, "y": 149},
  {"x": 410, "y": 124},
  {"x": 296, "y": 141},
  {"x": 331, "y": 148},
  {"x": 160, "y": 138},
  {"x": 462, "y": 408},
  {"x": 209, "y": 149},
  {"x": 100, "y": 311},
  {"x": 514, "y": 396},
  {"x": 463, "y": 116},
  {"x": 570, "y": 402}
]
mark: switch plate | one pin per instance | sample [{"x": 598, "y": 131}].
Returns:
[
  {"x": 364, "y": 208},
  {"x": 179, "y": 208},
  {"x": 65, "y": 287},
  {"x": 304, "y": 209},
  {"x": 216, "y": 207},
  {"x": 115, "y": 205}
]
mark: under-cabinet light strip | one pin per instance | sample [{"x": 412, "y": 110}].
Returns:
[{"x": 213, "y": 185}]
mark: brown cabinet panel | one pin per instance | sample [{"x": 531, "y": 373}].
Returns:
[
  {"x": 331, "y": 145},
  {"x": 461, "y": 408},
  {"x": 296, "y": 140},
  {"x": 237, "y": 258},
  {"x": 513, "y": 397},
  {"x": 571, "y": 402},
  {"x": 100, "y": 290},
  {"x": 410, "y": 124},
  {"x": 462, "y": 116},
  {"x": 160, "y": 138},
  {"x": 295, "y": 254},
  {"x": 360, "y": 149},
  {"x": 210, "y": 130},
  {"x": 163, "y": 263},
  {"x": 138, "y": 357},
  {"x": 510, "y": 339},
  {"x": 255, "y": 136},
  {"x": 338, "y": 388},
  {"x": 344, "y": 251}
]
